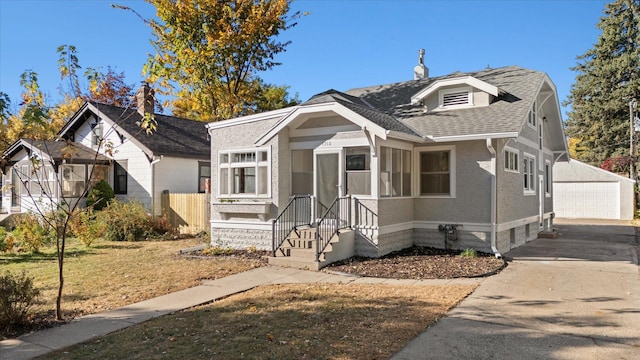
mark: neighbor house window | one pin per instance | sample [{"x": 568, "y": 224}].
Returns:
[
  {"x": 120, "y": 177},
  {"x": 204, "y": 175},
  {"x": 436, "y": 172},
  {"x": 395, "y": 172},
  {"x": 358, "y": 171},
  {"x": 533, "y": 115},
  {"x": 42, "y": 181},
  {"x": 529, "y": 171},
  {"x": 73, "y": 180},
  {"x": 511, "y": 160},
  {"x": 244, "y": 172},
  {"x": 96, "y": 135}
]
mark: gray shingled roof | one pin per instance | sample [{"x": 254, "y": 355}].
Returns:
[
  {"x": 173, "y": 136},
  {"x": 362, "y": 108},
  {"x": 518, "y": 88}
]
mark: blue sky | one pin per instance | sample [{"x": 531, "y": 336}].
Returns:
[{"x": 340, "y": 44}]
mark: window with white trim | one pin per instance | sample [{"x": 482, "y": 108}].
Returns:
[
  {"x": 244, "y": 172},
  {"x": 533, "y": 115},
  {"x": 204, "y": 174},
  {"x": 547, "y": 177},
  {"x": 511, "y": 160},
  {"x": 457, "y": 97},
  {"x": 395, "y": 172},
  {"x": 436, "y": 169},
  {"x": 358, "y": 170},
  {"x": 529, "y": 171}
]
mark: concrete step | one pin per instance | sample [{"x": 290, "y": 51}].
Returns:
[{"x": 293, "y": 262}]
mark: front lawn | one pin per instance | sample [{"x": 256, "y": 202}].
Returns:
[
  {"x": 112, "y": 274},
  {"x": 298, "y": 321}
]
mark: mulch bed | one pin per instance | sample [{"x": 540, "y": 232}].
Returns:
[
  {"x": 421, "y": 263},
  {"x": 411, "y": 263}
]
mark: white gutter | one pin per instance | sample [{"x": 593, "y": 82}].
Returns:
[
  {"x": 494, "y": 193},
  {"x": 153, "y": 184}
]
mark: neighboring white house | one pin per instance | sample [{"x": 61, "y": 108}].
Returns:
[
  {"x": 587, "y": 192},
  {"x": 141, "y": 165},
  {"x": 462, "y": 160}
]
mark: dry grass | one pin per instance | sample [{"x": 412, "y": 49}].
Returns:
[
  {"x": 335, "y": 321},
  {"x": 113, "y": 274}
]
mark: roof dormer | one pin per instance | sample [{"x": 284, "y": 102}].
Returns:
[{"x": 455, "y": 93}]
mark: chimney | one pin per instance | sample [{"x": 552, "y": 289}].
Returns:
[
  {"x": 144, "y": 99},
  {"x": 420, "y": 71}
]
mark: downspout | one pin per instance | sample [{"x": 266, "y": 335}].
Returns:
[
  {"x": 153, "y": 184},
  {"x": 494, "y": 192}
]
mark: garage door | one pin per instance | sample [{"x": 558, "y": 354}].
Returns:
[{"x": 587, "y": 200}]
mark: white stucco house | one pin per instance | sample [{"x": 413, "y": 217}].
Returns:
[
  {"x": 461, "y": 160},
  {"x": 582, "y": 191},
  {"x": 138, "y": 165}
]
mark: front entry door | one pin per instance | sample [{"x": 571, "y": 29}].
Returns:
[{"x": 327, "y": 180}]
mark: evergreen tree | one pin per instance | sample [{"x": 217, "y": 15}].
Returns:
[{"x": 608, "y": 78}]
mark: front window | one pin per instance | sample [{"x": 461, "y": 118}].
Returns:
[
  {"x": 435, "y": 173},
  {"x": 529, "y": 171},
  {"x": 204, "y": 174},
  {"x": 244, "y": 173},
  {"x": 358, "y": 171},
  {"x": 73, "y": 180},
  {"x": 302, "y": 172},
  {"x": 395, "y": 172}
]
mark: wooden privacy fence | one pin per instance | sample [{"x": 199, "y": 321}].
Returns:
[{"x": 189, "y": 213}]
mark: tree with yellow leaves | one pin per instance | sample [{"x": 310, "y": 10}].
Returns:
[{"x": 209, "y": 54}]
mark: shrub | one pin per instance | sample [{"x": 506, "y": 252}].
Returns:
[
  {"x": 31, "y": 234},
  {"x": 17, "y": 295},
  {"x": 100, "y": 195},
  {"x": 87, "y": 227},
  {"x": 130, "y": 222},
  {"x": 469, "y": 253},
  {"x": 3, "y": 236}
]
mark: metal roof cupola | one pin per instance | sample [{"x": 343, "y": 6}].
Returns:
[{"x": 420, "y": 71}]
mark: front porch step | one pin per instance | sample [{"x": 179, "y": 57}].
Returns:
[
  {"x": 296, "y": 263},
  {"x": 341, "y": 246}
]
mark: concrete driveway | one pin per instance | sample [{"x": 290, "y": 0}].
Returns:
[{"x": 574, "y": 297}]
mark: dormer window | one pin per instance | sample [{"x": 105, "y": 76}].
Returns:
[
  {"x": 533, "y": 115},
  {"x": 457, "y": 97}
]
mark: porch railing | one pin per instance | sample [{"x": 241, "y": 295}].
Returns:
[
  {"x": 336, "y": 217},
  {"x": 298, "y": 212}
]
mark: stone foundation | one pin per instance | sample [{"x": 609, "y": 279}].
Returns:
[{"x": 241, "y": 238}]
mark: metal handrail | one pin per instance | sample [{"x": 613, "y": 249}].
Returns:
[
  {"x": 337, "y": 216},
  {"x": 298, "y": 212}
]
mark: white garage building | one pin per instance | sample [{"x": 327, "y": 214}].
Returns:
[{"x": 587, "y": 192}]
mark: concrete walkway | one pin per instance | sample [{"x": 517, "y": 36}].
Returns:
[
  {"x": 91, "y": 326},
  {"x": 575, "y": 297}
]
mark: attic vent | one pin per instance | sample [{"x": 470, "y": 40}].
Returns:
[{"x": 455, "y": 98}]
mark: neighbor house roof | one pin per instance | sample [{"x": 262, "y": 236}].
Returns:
[
  {"x": 58, "y": 151},
  {"x": 173, "y": 136}
]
